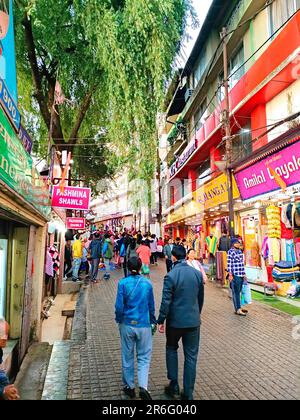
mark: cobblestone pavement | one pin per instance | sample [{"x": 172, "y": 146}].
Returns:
[{"x": 240, "y": 358}]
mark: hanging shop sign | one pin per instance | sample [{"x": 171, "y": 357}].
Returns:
[
  {"x": 73, "y": 198},
  {"x": 189, "y": 150},
  {"x": 9, "y": 106},
  {"x": 76, "y": 223},
  {"x": 25, "y": 139},
  {"x": 215, "y": 192},
  {"x": 17, "y": 169},
  {"x": 260, "y": 178}
]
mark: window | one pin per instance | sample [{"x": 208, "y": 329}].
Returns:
[
  {"x": 199, "y": 116},
  {"x": 236, "y": 70},
  {"x": 280, "y": 11},
  {"x": 242, "y": 145},
  {"x": 200, "y": 68}
]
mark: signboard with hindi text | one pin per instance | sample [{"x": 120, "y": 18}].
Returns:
[
  {"x": 17, "y": 169},
  {"x": 73, "y": 198}
]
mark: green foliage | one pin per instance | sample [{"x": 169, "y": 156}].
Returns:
[{"x": 123, "y": 50}]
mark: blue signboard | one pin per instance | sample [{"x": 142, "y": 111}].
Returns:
[
  {"x": 8, "y": 71},
  {"x": 9, "y": 106},
  {"x": 25, "y": 139}
]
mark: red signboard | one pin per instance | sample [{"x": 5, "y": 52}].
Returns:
[
  {"x": 76, "y": 223},
  {"x": 73, "y": 198}
]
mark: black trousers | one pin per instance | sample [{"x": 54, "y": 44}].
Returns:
[{"x": 169, "y": 264}]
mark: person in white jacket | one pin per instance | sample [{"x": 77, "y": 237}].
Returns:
[{"x": 191, "y": 260}]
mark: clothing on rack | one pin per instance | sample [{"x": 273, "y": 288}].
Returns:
[
  {"x": 221, "y": 260},
  {"x": 211, "y": 242},
  {"x": 55, "y": 257}
]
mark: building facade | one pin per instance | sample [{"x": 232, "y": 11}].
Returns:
[{"x": 263, "y": 43}]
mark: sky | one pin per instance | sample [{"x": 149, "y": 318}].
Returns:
[{"x": 201, "y": 8}]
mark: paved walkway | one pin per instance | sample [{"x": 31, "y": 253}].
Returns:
[{"x": 240, "y": 358}]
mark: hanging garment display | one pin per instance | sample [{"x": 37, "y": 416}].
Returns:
[
  {"x": 55, "y": 257},
  {"x": 274, "y": 250},
  {"x": 265, "y": 248},
  {"x": 285, "y": 232},
  {"x": 211, "y": 242},
  {"x": 221, "y": 260},
  {"x": 274, "y": 221},
  {"x": 285, "y": 220}
]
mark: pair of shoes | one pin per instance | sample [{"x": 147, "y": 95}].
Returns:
[
  {"x": 244, "y": 310},
  {"x": 240, "y": 313},
  {"x": 184, "y": 397},
  {"x": 75, "y": 280},
  {"x": 130, "y": 392},
  {"x": 172, "y": 390},
  {"x": 144, "y": 394}
]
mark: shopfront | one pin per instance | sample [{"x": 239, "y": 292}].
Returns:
[
  {"x": 24, "y": 211},
  {"x": 270, "y": 187}
]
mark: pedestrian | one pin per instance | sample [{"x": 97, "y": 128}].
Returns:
[
  {"x": 191, "y": 260},
  {"x": 185, "y": 245},
  {"x": 177, "y": 241},
  {"x": 7, "y": 391},
  {"x": 153, "y": 247},
  {"x": 160, "y": 247},
  {"x": 95, "y": 252},
  {"x": 107, "y": 253},
  {"x": 135, "y": 314},
  {"x": 168, "y": 254},
  {"x": 237, "y": 273},
  {"x": 144, "y": 254},
  {"x": 181, "y": 306},
  {"x": 131, "y": 249},
  {"x": 85, "y": 266},
  {"x": 77, "y": 255},
  {"x": 224, "y": 242},
  {"x": 68, "y": 260}
]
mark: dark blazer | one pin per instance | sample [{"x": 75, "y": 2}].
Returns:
[{"x": 183, "y": 297}]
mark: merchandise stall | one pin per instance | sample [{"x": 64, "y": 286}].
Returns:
[{"x": 270, "y": 227}]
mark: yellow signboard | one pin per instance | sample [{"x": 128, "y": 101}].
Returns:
[
  {"x": 188, "y": 210},
  {"x": 215, "y": 192}
]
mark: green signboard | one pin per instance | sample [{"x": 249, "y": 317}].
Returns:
[{"x": 17, "y": 169}]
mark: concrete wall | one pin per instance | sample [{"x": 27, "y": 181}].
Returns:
[
  {"x": 283, "y": 105},
  {"x": 38, "y": 282}
]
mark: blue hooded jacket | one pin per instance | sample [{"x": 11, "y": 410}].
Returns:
[{"x": 135, "y": 302}]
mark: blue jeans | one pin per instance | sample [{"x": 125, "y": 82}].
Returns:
[
  {"x": 76, "y": 267},
  {"x": 107, "y": 265},
  {"x": 95, "y": 267},
  {"x": 236, "y": 286},
  {"x": 141, "y": 338},
  {"x": 190, "y": 340}
]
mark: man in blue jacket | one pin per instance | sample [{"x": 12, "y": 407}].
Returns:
[{"x": 181, "y": 306}]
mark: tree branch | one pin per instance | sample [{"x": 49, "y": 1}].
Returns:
[
  {"x": 36, "y": 76},
  {"x": 81, "y": 114}
]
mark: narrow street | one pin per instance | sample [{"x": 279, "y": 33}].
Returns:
[{"x": 251, "y": 358}]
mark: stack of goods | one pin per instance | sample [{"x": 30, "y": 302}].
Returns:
[{"x": 284, "y": 271}]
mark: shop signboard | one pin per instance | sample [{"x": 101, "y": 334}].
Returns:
[
  {"x": 17, "y": 169},
  {"x": 76, "y": 223},
  {"x": 188, "y": 210},
  {"x": 9, "y": 106},
  {"x": 187, "y": 153},
  {"x": 73, "y": 198},
  {"x": 215, "y": 192},
  {"x": 8, "y": 71},
  {"x": 25, "y": 139},
  {"x": 259, "y": 178}
]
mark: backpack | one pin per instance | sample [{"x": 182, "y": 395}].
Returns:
[{"x": 109, "y": 252}]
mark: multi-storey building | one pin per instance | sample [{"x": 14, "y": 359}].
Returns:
[{"x": 263, "y": 44}]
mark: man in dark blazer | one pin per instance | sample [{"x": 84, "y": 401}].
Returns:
[{"x": 181, "y": 306}]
